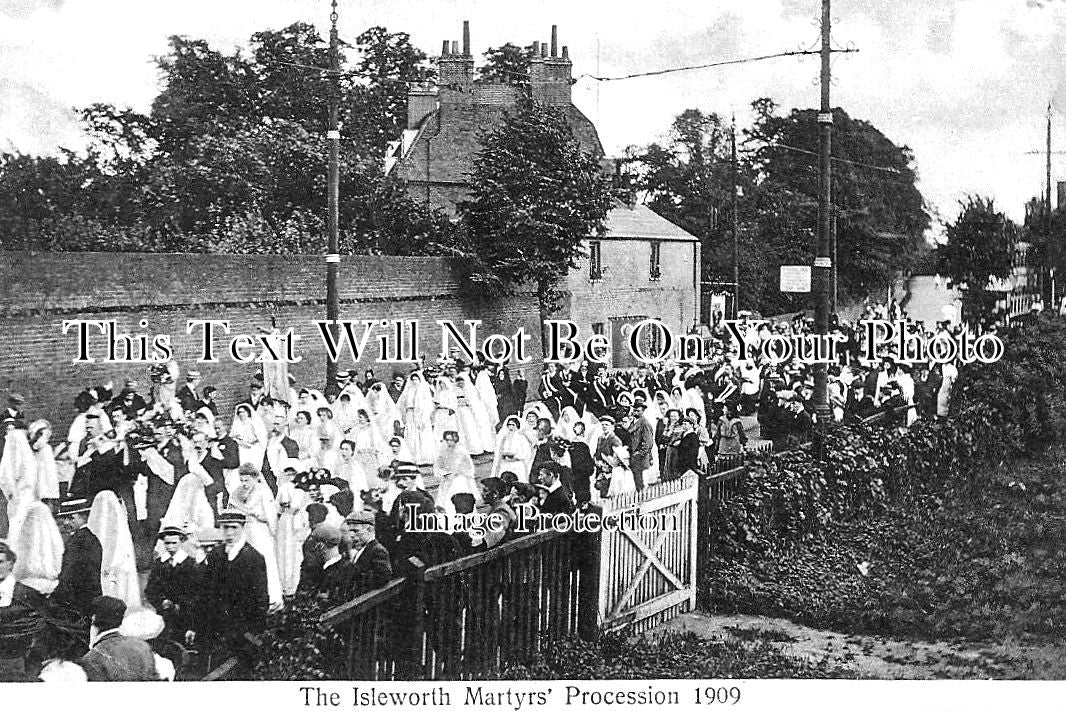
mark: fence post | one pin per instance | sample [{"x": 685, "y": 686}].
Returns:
[
  {"x": 410, "y": 659},
  {"x": 703, "y": 513},
  {"x": 588, "y": 601}
]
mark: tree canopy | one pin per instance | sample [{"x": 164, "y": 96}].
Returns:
[
  {"x": 535, "y": 196},
  {"x": 232, "y": 157},
  {"x": 980, "y": 245}
]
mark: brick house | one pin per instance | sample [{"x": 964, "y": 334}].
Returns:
[{"x": 644, "y": 267}]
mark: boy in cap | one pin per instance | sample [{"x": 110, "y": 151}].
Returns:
[
  {"x": 173, "y": 584},
  {"x": 79, "y": 574},
  {"x": 234, "y": 597}
]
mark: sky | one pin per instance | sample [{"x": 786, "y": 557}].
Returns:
[{"x": 964, "y": 83}]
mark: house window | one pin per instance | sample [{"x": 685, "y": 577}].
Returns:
[
  {"x": 655, "y": 272},
  {"x": 595, "y": 263}
]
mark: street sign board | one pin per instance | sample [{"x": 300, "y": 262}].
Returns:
[{"x": 796, "y": 279}]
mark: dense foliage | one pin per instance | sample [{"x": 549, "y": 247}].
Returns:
[
  {"x": 535, "y": 196},
  {"x": 926, "y": 531},
  {"x": 880, "y": 217},
  {"x": 232, "y": 157},
  {"x": 980, "y": 245}
]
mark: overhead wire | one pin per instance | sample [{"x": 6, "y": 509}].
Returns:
[{"x": 723, "y": 63}]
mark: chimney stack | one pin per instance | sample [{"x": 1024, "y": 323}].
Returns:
[
  {"x": 549, "y": 74},
  {"x": 456, "y": 70}
]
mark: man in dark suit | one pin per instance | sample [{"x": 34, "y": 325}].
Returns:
[
  {"x": 555, "y": 498},
  {"x": 189, "y": 394},
  {"x": 371, "y": 567},
  {"x": 234, "y": 598},
  {"x": 79, "y": 574},
  {"x": 111, "y": 656},
  {"x": 542, "y": 450},
  {"x": 173, "y": 584},
  {"x": 396, "y": 386},
  {"x": 211, "y": 463},
  {"x": 331, "y": 578},
  {"x": 582, "y": 467},
  {"x": 227, "y": 448},
  {"x": 520, "y": 386},
  {"x": 641, "y": 443}
]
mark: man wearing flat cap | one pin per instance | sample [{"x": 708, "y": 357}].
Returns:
[
  {"x": 111, "y": 656},
  {"x": 234, "y": 598},
  {"x": 174, "y": 583},
  {"x": 330, "y": 579},
  {"x": 79, "y": 574},
  {"x": 371, "y": 567}
]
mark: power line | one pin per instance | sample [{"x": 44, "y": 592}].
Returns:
[
  {"x": 745, "y": 60},
  {"x": 859, "y": 164}
]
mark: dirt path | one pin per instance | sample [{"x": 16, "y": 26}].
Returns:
[{"x": 883, "y": 658}]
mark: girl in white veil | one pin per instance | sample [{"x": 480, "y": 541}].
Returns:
[
  {"x": 344, "y": 413},
  {"x": 254, "y": 500},
  {"x": 329, "y": 438},
  {"x": 471, "y": 433},
  {"x": 416, "y": 406},
  {"x": 250, "y": 434},
  {"x": 455, "y": 470},
  {"x": 118, "y": 567},
  {"x": 18, "y": 478},
  {"x": 293, "y": 529},
  {"x": 39, "y": 548},
  {"x": 487, "y": 393},
  {"x": 371, "y": 451},
  {"x": 513, "y": 452},
  {"x": 189, "y": 509},
  {"x": 385, "y": 414},
  {"x": 567, "y": 418},
  {"x": 38, "y": 434},
  {"x": 446, "y": 408},
  {"x": 485, "y": 425}
]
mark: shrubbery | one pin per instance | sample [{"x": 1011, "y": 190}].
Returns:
[{"x": 933, "y": 511}]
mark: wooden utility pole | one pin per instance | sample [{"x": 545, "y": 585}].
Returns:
[
  {"x": 333, "y": 256},
  {"x": 823, "y": 263},
  {"x": 736, "y": 228}
]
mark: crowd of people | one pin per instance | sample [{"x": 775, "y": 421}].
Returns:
[{"x": 199, "y": 527}]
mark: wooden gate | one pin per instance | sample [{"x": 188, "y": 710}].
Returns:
[{"x": 648, "y": 564}]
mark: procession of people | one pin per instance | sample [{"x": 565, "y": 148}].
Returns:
[{"x": 200, "y": 527}]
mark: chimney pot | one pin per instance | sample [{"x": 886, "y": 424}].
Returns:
[
  {"x": 555, "y": 40},
  {"x": 455, "y": 47},
  {"x": 466, "y": 38},
  {"x": 444, "y": 49},
  {"x": 543, "y": 49},
  {"x": 566, "y": 52}
]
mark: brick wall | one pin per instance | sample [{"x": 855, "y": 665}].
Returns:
[{"x": 39, "y": 291}]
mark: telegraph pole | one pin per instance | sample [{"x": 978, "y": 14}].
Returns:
[
  {"x": 333, "y": 138},
  {"x": 736, "y": 230},
  {"x": 823, "y": 262},
  {"x": 1047, "y": 196}
]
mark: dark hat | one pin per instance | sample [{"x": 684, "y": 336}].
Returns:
[
  {"x": 74, "y": 506},
  {"x": 364, "y": 518},
  {"x": 608, "y": 419},
  {"x": 210, "y": 389},
  {"x": 639, "y": 405},
  {"x": 108, "y": 607},
  {"x": 172, "y": 531},
  {"x": 405, "y": 469},
  {"x": 231, "y": 516},
  {"x": 395, "y": 440}
]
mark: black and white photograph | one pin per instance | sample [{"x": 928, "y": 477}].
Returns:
[{"x": 544, "y": 354}]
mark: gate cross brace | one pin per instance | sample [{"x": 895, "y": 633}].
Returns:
[{"x": 651, "y": 557}]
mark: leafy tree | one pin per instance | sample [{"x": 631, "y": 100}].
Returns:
[
  {"x": 535, "y": 196},
  {"x": 508, "y": 64},
  {"x": 980, "y": 245}
]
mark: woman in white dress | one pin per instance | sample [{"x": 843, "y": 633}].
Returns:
[
  {"x": 416, "y": 407},
  {"x": 250, "y": 434},
  {"x": 305, "y": 437},
  {"x": 370, "y": 451},
  {"x": 455, "y": 470},
  {"x": 329, "y": 438},
  {"x": 293, "y": 529},
  {"x": 446, "y": 408},
  {"x": 344, "y": 413},
  {"x": 18, "y": 478},
  {"x": 39, "y": 435},
  {"x": 487, "y": 394},
  {"x": 622, "y": 481},
  {"x": 254, "y": 500},
  {"x": 473, "y": 426},
  {"x": 118, "y": 565},
  {"x": 350, "y": 470},
  {"x": 567, "y": 419},
  {"x": 39, "y": 547},
  {"x": 513, "y": 453},
  {"x": 384, "y": 413}
]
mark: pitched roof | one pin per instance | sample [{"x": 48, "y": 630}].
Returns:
[{"x": 640, "y": 222}]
